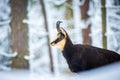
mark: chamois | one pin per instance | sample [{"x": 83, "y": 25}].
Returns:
[{"x": 82, "y": 57}]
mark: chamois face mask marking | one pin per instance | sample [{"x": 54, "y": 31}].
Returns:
[{"x": 60, "y": 36}]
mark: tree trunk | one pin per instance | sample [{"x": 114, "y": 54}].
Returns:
[
  {"x": 104, "y": 38},
  {"x": 19, "y": 35},
  {"x": 69, "y": 11},
  {"x": 85, "y": 34},
  {"x": 48, "y": 39},
  {"x": 84, "y": 16}
]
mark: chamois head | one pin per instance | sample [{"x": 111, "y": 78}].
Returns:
[{"x": 60, "y": 39}]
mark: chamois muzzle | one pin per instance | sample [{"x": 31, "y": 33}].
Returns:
[{"x": 58, "y": 25}]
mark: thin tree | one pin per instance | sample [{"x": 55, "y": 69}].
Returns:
[
  {"x": 48, "y": 39},
  {"x": 19, "y": 34},
  {"x": 104, "y": 38}
]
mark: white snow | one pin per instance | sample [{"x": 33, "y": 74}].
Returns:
[{"x": 109, "y": 72}]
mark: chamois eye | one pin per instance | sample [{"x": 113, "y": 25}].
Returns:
[
  {"x": 60, "y": 37},
  {"x": 58, "y": 34}
]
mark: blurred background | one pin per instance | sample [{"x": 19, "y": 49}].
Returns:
[{"x": 28, "y": 26}]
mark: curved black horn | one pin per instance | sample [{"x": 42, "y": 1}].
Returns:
[{"x": 58, "y": 25}]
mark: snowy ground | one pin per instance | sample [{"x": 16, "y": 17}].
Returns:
[{"x": 111, "y": 72}]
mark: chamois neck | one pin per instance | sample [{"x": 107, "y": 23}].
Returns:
[
  {"x": 68, "y": 50},
  {"x": 68, "y": 45}
]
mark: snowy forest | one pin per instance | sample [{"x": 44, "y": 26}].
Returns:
[{"x": 28, "y": 26}]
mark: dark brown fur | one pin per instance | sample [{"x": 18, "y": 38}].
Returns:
[{"x": 84, "y": 57}]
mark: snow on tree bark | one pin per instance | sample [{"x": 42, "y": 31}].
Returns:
[
  {"x": 85, "y": 17},
  {"x": 5, "y": 30}
]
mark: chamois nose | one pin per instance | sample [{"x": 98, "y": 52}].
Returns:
[
  {"x": 52, "y": 43},
  {"x": 58, "y": 25}
]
